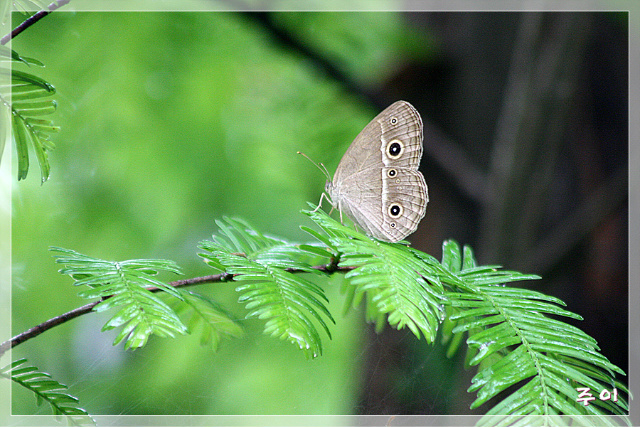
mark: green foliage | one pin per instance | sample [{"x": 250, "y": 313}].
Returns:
[
  {"x": 397, "y": 282},
  {"x": 516, "y": 343},
  {"x": 509, "y": 332},
  {"x": 265, "y": 267},
  {"x": 126, "y": 285},
  {"x": 363, "y": 55},
  {"x": 26, "y": 99},
  {"x": 47, "y": 390},
  {"x": 207, "y": 317},
  {"x": 534, "y": 362}
]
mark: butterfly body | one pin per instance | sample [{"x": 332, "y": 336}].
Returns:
[{"x": 377, "y": 183}]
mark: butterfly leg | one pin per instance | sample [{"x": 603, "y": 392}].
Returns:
[
  {"x": 320, "y": 203},
  {"x": 332, "y": 206}
]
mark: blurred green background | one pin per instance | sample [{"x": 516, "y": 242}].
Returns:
[{"x": 172, "y": 120}]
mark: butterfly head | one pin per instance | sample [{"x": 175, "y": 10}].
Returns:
[{"x": 328, "y": 186}]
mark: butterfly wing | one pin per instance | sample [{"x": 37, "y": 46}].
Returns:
[{"x": 377, "y": 183}]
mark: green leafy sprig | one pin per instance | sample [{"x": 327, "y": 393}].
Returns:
[
  {"x": 208, "y": 318},
  {"x": 126, "y": 286},
  {"x": 397, "y": 284},
  {"x": 26, "y": 99},
  {"x": 47, "y": 390},
  {"x": 509, "y": 331},
  {"x": 264, "y": 266},
  {"x": 526, "y": 356}
]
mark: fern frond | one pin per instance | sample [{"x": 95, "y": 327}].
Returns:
[
  {"x": 125, "y": 285},
  {"x": 47, "y": 390},
  {"x": 511, "y": 335},
  {"x": 398, "y": 283},
  {"x": 516, "y": 343},
  {"x": 207, "y": 317},
  {"x": 27, "y": 98},
  {"x": 270, "y": 290}
]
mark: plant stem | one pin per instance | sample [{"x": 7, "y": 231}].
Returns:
[
  {"x": 87, "y": 308},
  {"x": 33, "y": 19}
]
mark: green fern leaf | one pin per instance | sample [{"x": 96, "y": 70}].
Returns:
[
  {"x": 27, "y": 97},
  {"x": 207, "y": 317},
  {"x": 8, "y": 55},
  {"x": 516, "y": 344},
  {"x": 451, "y": 258},
  {"x": 264, "y": 266},
  {"x": 47, "y": 390},
  {"x": 125, "y": 286},
  {"x": 468, "y": 257},
  {"x": 398, "y": 282}
]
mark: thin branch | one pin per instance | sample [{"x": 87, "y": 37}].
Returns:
[
  {"x": 282, "y": 36},
  {"x": 33, "y": 19},
  {"x": 87, "y": 308},
  {"x": 38, "y": 329}
]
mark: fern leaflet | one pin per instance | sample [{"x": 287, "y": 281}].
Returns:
[
  {"x": 27, "y": 98},
  {"x": 125, "y": 285},
  {"x": 396, "y": 282},
  {"x": 270, "y": 290},
  {"x": 47, "y": 390},
  {"x": 511, "y": 335},
  {"x": 213, "y": 322},
  {"x": 516, "y": 343}
]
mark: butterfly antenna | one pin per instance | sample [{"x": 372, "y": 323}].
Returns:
[{"x": 321, "y": 166}]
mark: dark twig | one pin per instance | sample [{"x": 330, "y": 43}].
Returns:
[
  {"x": 45, "y": 326},
  {"x": 33, "y": 19},
  {"x": 265, "y": 19},
  {"x": 87, "y": 308}
]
